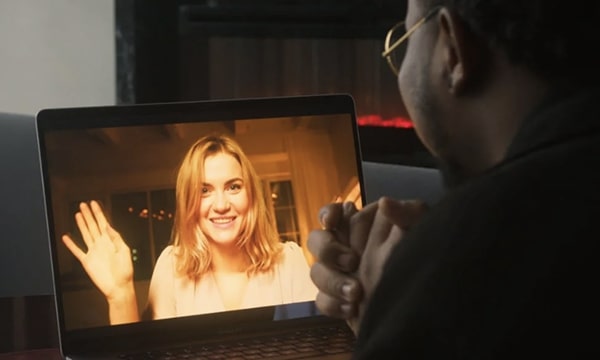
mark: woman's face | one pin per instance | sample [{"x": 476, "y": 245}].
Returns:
[{"x": 224, "y": 202}]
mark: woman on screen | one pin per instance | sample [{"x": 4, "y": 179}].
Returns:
[{"x": 225, "y": 251}]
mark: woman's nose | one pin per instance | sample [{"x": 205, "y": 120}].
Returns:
[{"x": 221, "y": 202}]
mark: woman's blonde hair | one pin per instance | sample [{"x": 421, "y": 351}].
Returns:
[{"x": 258, "y": 237}]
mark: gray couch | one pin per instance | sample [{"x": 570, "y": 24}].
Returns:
[
  {"x": 24, "y": 251},
  {"x": 401, "y": 182}
]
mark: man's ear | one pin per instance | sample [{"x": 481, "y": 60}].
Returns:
[{"x": 460, "y": 53}]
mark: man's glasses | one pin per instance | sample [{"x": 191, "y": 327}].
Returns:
[{"x": 397, "y": 37}]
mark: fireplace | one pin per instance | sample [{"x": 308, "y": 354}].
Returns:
[{"x": 211, "y": 49}]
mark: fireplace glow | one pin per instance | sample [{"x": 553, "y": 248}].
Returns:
[{"x": 378, "y": 120}]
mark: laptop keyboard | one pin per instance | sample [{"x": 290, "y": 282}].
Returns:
[{"x": 299, "y": 344}]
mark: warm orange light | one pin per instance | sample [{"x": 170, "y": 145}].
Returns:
[
  {"x": 377, "y": 120},
  {"x": 143, "y": 214}
]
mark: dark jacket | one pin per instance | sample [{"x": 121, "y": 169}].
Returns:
[{"x": 506, "y": 264}]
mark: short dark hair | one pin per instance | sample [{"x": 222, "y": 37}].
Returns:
[{"x": 552, "y": 38}]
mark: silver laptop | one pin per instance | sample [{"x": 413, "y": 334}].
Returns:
[{"x": 117, "y": 177}]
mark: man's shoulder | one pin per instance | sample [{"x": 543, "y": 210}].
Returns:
[
  {"x": 545, "y": 196},
  {"x": 546, "y": 175}
]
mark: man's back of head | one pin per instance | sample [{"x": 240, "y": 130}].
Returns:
[{"x": 549, "y": 37}]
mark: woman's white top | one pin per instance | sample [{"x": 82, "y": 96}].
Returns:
[{"x": 289, "y": 282}]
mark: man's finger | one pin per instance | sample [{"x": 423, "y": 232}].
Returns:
[
  {"x": 331, "y": 215},
  {"x": 333, "y": 307},
  {"x": 380, "y": 228},
  {"x": 361, "y": 223},
  {"x": 342, "y": 231},
  {"x": 403, "y": 213},
  {"x": 328, "y": 250},
  {"x": 336, "y": 284},
  {"x": 332, "y": 218}
]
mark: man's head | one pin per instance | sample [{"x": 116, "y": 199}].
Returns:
[{"x": 475, "y": 68}]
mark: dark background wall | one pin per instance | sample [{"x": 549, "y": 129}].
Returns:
[{"x": 196, "y": 50}]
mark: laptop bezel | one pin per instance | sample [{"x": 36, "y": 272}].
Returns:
[{"x": 166, "y": 332}]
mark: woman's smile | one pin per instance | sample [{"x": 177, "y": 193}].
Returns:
[{"x": 223, "y": 221}]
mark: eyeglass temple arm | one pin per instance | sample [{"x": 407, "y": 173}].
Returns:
[
  {"x": 397, "y": 43},
  {"x": 408, "y": 32}
]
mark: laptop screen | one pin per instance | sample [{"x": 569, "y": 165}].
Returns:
[{"x": 192, "y": 210}]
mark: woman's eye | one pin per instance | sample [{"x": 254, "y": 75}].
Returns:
[
  {"x": 235, "y": 187},
  {"x": 205, "y": 191}
]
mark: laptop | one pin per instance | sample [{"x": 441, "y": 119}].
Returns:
[{"x": 128, "y": 159}]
